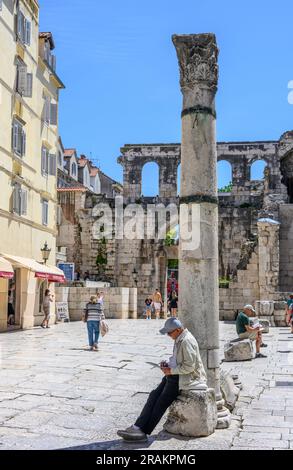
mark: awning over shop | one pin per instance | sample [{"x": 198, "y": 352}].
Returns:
[
  {"x": 41, "y": 271},
  {"x": 6, "y": 269}
]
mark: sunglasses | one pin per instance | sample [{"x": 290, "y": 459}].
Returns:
[{"x": 170, "y": 332}]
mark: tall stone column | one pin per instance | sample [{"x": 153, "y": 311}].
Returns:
[{"x": 198, "y": 265}]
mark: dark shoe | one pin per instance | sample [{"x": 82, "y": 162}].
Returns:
[
  {"x": 42, "y": 326},
  {"x": 260, "y": 355},
  {"x": 48, "y": 327},
  {"x": 263, "y": 345},
  {"x": 132, "y": 434}
]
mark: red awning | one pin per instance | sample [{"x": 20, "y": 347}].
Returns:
[
  {"x": 6, "y": 275},
  {"x": 6, "y": 269},
  {"x": 50, "y": 277},
  {"x": 43, "y": 271}
]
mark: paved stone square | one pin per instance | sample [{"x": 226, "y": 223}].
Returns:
[{"x": 56, "y": 394}]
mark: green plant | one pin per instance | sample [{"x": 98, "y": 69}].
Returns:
[
  {"x": 102, "y": 253},
  {"x": 224, "y": 282},
  {"x": 226, "y": 189},
  {"x": 171, "y": 237}
]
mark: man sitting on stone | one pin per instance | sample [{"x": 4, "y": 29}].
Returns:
[
  {"x": 183, "y": 371},
  {"x": 246, "y": 330}
]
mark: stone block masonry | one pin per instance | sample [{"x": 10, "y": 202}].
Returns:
[{"x": 119, "y": 302}]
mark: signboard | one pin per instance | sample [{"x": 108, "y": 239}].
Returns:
[
  {"x": 62, "y": 313},
  {"x": 68, "y": 269}
]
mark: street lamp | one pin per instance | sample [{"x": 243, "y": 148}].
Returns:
[{"x": 45, "y": 252}]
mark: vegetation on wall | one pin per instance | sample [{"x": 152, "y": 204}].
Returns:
[{"x": 226, "y": 189}]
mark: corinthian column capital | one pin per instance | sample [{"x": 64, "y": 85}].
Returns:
[{"x": 197, "y": 56}]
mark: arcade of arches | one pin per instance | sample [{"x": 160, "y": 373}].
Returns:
[{"x": 255, "y": 224}]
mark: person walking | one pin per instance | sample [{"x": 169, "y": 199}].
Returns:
[
  {"x": 289, "y": 312},
  {"x": 48, "y": 298},
  {"x": 173, "y": 303},
  {"x": 157, "y": 303},
  {"x": 148, "y": 308},
  {"x": 11, "y": 312},
  {"x": 183, "y": 371},
  {"x": 94, "y": 313}
]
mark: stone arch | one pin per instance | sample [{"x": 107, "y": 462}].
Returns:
[
  {"x": 225, "y": 176},
  {"x": 257, "y": 168},
  {"x": 134, "y": 157},
  {"x": 150, "y": 179}
]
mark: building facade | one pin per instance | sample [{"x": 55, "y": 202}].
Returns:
[{"x": 29, "y": 96}]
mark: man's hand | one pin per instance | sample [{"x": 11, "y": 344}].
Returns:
[{"x": 166, "y": 370}]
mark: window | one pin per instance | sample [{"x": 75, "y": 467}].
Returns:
[
  {"x": 49, "y": 57},
  {"x": 24, "y": 81},
  {"x": 19, "y": 200},
  {"x": 50, "y": 112},
  {"x": 24, "y": 28},
  {"x": 47, "y": 110},
  {"x": 60, "y": 159},
  {"x": 45, "y": 210},
  {"x": 48, "y": 163},
  {"x": 73, "y": 169},
  {"x": 18, "y": 138}
]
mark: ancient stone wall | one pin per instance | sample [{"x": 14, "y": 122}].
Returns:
[
  {"x": 118, "y": 301},
  {"x": 142, "y": 263},
  {"x": 286, "y": 247}
]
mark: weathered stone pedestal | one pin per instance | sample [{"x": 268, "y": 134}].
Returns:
[
  {"x": 279, "y": 313},
  {"x": 229, "y": 389},
  {"x": 265, "y": 324},
  {"x": 193, "y": 414},
  {"x": 239, "y": 350}
]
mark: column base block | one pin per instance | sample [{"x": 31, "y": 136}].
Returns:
[{"x": 193, "y": 414}]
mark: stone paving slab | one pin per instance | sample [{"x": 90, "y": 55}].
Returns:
[{"x": 55, "y": 394}]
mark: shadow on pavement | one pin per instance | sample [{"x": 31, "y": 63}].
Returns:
[{"x": 120, "y": 444}]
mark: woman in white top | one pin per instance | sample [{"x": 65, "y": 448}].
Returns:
[{"x": 46, "y": 308}]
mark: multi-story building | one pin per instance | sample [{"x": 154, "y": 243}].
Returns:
[{"x": 29, "y": 146}]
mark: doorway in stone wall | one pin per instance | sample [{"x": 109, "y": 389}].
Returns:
[
  {"x": 13, "y": 302},
  {"x": 290, "y": 189}
]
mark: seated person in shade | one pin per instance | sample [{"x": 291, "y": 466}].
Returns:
[{"x": 247, "y": 331}]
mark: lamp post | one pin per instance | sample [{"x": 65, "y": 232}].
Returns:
[{"x": 45, "y": 252}]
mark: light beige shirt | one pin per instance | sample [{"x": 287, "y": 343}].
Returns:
[{"x": 189, "y": 365}]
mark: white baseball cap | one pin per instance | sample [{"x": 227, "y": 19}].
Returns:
[{"x": 249, "y": 307}]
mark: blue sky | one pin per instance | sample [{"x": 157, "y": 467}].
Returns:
[{"x": 120, "y": 69}]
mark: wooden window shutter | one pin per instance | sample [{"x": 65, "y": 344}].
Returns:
[
  {"x": 29, "y": 86},
  {"x": 44, "y": 212},
  {"x": 16, "y": 199},
  {"x": 23, "y": 142},
  {"x": 53, "y": 114},
  {"x": 53, "y": 62},
  {"x": 23, "y": 201},
  {"x": 47, "y": 109},
  {"x": 21, "y": 79},
  {"x": 14, "y": 136},
  {"x": 28, "y": 29},
  {"x": 44, "y": 163},
  {"x": 52, "y": 164}
]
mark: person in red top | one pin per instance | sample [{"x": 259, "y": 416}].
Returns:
[{"x": 172, "y": 284}]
